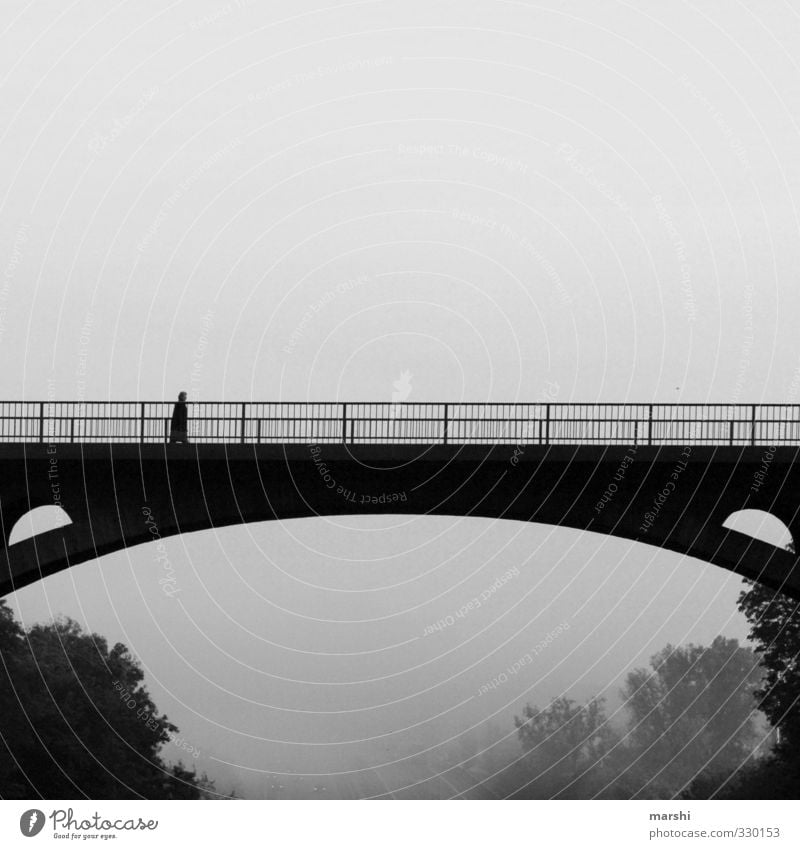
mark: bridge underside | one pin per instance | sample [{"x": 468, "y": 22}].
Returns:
[{"x": 119, "y": 496}]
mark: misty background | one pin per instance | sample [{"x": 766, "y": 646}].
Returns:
[{"x": 347, "y": 201}]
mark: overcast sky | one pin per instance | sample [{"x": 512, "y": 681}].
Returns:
[{"x": 306, "y": 200}]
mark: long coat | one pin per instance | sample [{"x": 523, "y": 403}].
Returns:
[{"x": 179, "y": 427}]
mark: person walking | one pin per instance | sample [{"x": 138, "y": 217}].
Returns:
[{"x": 179, "y": 428}]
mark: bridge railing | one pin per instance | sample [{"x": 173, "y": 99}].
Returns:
[{"x": 405, "y": 423}]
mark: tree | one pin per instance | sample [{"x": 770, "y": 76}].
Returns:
[
  {"x": 775, "y": 631},
  {"x": 12, "y": 725},
  {"x": 77, "y": 721},
  {"x": 566, "y": 744},
  {"x": 694, "y": 712}
]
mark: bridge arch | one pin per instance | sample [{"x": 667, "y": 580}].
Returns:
[
  {"x": 37, "y": 521},
  {"x": 673, "y": 497},
  {"x": 760, "y": 525}
]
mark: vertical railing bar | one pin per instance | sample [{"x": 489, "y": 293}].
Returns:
[
  {"x": 344, "y": 423},
  {"x": 41, "y": 421},
  {"x": 753, "y": 425},
  {"x": 547, "y": 428},
  {"x": 244, "y": 405},
  {"x": 446, "y": 424}
]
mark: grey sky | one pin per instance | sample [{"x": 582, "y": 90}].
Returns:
[{"x": 302, "y": 200}]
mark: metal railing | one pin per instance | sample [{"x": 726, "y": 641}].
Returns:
[{"x": 411, "y": 423}]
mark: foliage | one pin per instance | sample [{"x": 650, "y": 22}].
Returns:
[
  {"x": 770, "y": 777},
  {"x": 775, "y": 631},
  {"x": 566, "y": 744},
  {"x": 77, "y": 721},
  {"x": 691, "y": 728},
  {"x": 693, "y": 712}
]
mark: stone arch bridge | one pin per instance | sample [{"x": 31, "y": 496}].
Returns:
[{"x": 665, "y": 475}]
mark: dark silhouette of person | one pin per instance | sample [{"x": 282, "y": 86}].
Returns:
[{"x": 179, "y": 429}]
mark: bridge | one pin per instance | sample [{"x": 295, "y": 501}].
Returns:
[{"x": 668, "y": 475}]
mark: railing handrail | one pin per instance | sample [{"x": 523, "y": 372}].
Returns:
[
  {"x": 423, "y": 422},
  {"x": 695, "y": 404}
]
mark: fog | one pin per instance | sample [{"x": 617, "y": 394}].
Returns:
[
  {"x": 312, "y": 646},
  {"x": 298, "y": 200}
]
